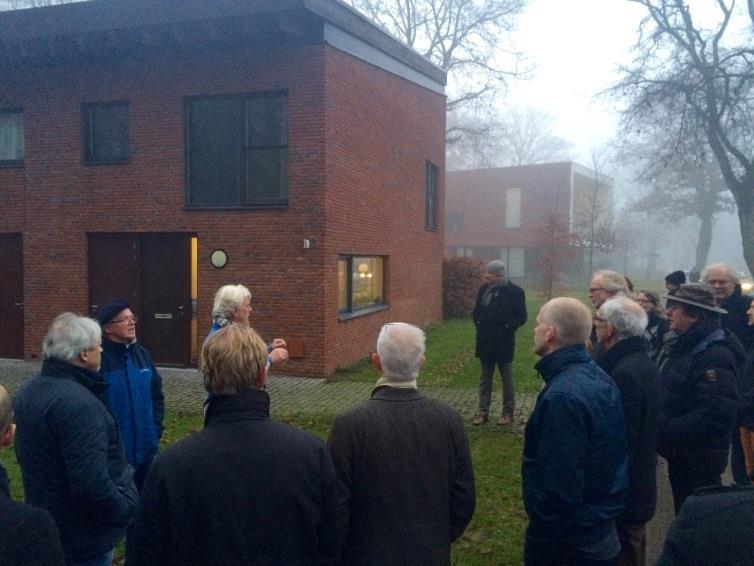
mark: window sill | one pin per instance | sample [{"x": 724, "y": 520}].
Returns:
[
  {"x": 363, "y": 312},
  {"x": 11, "y": 164}
]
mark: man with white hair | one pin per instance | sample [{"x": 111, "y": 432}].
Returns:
[
  {"x": 68, "y": 447},
  {"x": 620, "y": 324},
  {"x": 405, "y": 480},
  {"x": 575, "y": 460}
]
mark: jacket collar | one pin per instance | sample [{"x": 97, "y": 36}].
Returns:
[
  {"x": 387, "y": 393},
  {"x": 247, "y": 404},
  {"x": 621, "y": 349},
  {"x": 92, "y": 380},
  {"x": 552, "y": 363}
]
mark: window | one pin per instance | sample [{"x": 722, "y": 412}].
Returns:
[
  {"x": 431, "y": 176},
  {"x": 361, "y": 283},
  {"x": 513, "y": 208},
  {"x": 514, "y": 260},
  {"x": 11, "y": 138},
  {"x": 237, "y": 151},
  {"x": 454, "y": 222},
  {"x": 106, "y": 133}
]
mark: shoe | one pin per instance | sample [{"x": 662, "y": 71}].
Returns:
[
  {"x": 479, "y": 420},
  {"x": 505, "y": 420}
]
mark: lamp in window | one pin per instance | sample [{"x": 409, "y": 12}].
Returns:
[{"x": 363, "y": 270}]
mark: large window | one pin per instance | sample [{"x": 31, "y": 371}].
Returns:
[
  {"x": 431, "y": 178},
  {"x": 513, "y": 208},
  {"x": 514, "y": 259},
  {"x": 106, "y": 133},
  {"x": 11, "y": 138},
  {"x": 361, "y": 283},
  {"x": 237, "y": 150}
]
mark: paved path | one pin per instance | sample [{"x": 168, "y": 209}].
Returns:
[{"x": 292, "y": 396}]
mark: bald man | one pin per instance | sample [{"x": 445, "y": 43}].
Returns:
[{"x": 575, "y": 461}]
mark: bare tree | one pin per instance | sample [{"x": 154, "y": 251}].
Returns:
[
  {"x": 469, "y": 39},
  {"x": 702, "y": 76},
  {"x": 555, "y": 242}
]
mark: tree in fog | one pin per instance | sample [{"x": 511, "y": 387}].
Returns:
[
  {"x": 701, "y": 78},
  {"x": 555, "y": 242},
  {"x": 516, "y": 136},
  {"x": 469, "y": 39}
]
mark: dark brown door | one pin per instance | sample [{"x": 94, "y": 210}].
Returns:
[
  {"x": 12, "y": 296},
  {"x": 152, "y": 271}
]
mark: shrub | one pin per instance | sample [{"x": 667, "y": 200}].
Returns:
[{"x": 461, "y": 278}]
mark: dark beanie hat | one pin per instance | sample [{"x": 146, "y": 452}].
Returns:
[
  {"x": 676, "y": 278},
  {"x": 106, "y": 313}
]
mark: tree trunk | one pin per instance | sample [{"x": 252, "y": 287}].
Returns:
[
  {"x": 705, "y": 240},
  {"x": 746, "y": 219}
]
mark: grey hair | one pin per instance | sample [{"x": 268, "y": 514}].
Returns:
[
  {"x": 626, "y": 316},
  {"x": 227, "y": 299},
  {"x": 571, "y": 318},
  {"x": 69, "y": 335},
  {"x": 401, "y": 350},
  {"x": 723, "y": 266},
  {"x": 612, "y": 281}
]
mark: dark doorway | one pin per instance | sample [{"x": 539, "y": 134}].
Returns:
[
  {"x": 152, "y": 271},
  {"x": 12, "y": 297}
]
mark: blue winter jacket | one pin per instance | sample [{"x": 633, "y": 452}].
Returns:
[
  {"x": 134, "y": 397},
  {"x": 575, "y": 461}
]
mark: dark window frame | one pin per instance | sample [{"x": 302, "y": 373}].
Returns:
[
  {"x": 350, "y": 311},
  {"x": 88, "y": 133},
  {"x": 431, "y": 180},
  {"x": 242, "y": 201},
  {"x": 11, "y": 163}
]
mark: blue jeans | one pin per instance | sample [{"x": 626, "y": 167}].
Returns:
[{"x": 101, "y": 560}]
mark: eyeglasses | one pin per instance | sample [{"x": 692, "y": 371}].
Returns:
[
  {"x": 126, "y": 319},
  {"x": 595, "y": 289},
  {"x": 596, "y": 318}
]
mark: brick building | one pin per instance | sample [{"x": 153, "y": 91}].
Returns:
[
  {"x": 158, "y": 149},
  {"x": 500, "y": 213}
]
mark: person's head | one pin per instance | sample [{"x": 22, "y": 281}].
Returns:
[
  {"x": 232, "y": 304},
  {"x": 117, "y": 321},
  {"x": 721, "y": 279},
  {"x": 400, "y": 351},
  {"x": 7, "y": 428},
  {"x": 74, "y": 339},
  {"x": 494, "y": 273},
  {"x": 618, "y": 319},
  {"x": 674, "y": 280},
  {"x": 561, "y": 322},
  {"x": 650, "y": 302},
  {"x": 234, "y": 358},
  {"x": 606, "y": 284},
  {"x": 690, "y": 305}
]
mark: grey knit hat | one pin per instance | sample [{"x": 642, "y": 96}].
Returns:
[{"x": 497, "y": 267}]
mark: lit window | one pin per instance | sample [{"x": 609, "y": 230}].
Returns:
[
  {"x": 11, "y": 138},
  {"x": 361, "y": 283}
]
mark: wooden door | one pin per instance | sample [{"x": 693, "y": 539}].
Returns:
[{"x": 12, "y": 297}]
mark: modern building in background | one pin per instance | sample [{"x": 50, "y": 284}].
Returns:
[
  {"x": 155, "y": 150},
  {"x": 503, "y": 213}
]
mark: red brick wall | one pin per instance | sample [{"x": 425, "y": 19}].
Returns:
[{"x": 365, "y": 137}]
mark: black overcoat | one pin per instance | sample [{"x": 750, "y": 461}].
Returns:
[{"x": 496, "y": 323}]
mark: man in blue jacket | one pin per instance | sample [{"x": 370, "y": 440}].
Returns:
[
  {"x": 575, "y": 461},
  {"x": 135, "y": 392}
]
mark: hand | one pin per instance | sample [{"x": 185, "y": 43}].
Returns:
[
  {"x": 278, "y": 343},
  {"x": 278, "y": 356}
]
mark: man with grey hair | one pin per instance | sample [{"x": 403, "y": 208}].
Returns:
[
  {"x": 68, "y": 447},
  {"x": 499, "y": 311},
  {"x": 405, "y": 480},
  {"x": 575, "y": 460},
  {"x": 620, "y": 324},
  {"x": 604, "y": 285}
]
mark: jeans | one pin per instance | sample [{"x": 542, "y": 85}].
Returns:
[
  {"x": 102, "y": 560},
  {"x": 485, "y": 388}
]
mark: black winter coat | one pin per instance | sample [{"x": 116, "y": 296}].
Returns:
[
  {"x": 405, "y": 480},
  {"x": 28, "y": 535},
  {"x": 636, "y": 376},
  {"x": 496, "y": 323},
  {"x": 699, "y": 375},
  {"x": 244, "y": 490},
  {"x": 736, "y": 320},
  {"x": 71, "y": 458}
]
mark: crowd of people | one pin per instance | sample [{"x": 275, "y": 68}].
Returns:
[{"x": 394, "y": 482}]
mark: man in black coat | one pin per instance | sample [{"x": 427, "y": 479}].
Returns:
[
  {"x": 499, "y": 311},
  {"x": 405, "y": 480},
  {"x": 245, "y": 489},
  {"x": 27, "y": 535},
  {"x": 620, "y": 324},
  {"x": 699, "y": 378},
  {"x": 68, "y": 446}
]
